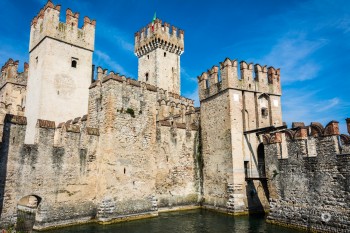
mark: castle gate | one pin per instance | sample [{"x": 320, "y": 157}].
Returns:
[{"x": 26, "y": 211}]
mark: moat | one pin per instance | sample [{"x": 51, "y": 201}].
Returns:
[{"x": 198, "y": 221}]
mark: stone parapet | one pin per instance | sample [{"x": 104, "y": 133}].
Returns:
[
  {"x": 254, "y": 78},
  {"x": 10, "y": 74},
  {"x": 47, "y": 24},
  {"x": 161, "y": 35},
  {"x": 308, "y": 178}
]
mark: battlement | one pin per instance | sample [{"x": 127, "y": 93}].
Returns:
[
  {"x": 162, "y": 35},
  {"x": 308, "y": 172},
  {"x": 103, "y": 75},
  {"x": 13, "y": 86},
  {"x": 254, "y": 78},
  {"x": 59, "y": 134},
  {"x": 9, "y": 70},
  {"x": 47, "y": 24},
  {"x": 130, "y": 96},
  {"x": 311, "y": 140}
]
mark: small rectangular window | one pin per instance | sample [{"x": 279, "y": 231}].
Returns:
[
  {"x": 264, "y": 112},
  {"x": 74, "y": 62}
]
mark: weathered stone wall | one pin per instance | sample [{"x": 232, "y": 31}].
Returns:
[
  {"x": 147, "y": 160},
  {"x": 309, "y": 187},
  {"x": 119, "y": 161},
  {"x": 216, "y": 150},
  {"x": 62, "y": 177}
]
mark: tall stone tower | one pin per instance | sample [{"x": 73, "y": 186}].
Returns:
[
  {"x": 159, "y": 49},
  {"x": 233, "y": 112},
  {"x": 60, "y": 70}
]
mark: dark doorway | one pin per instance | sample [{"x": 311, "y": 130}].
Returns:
[
  {"x": 261, "y": 161},
  {"x": 246, "y": 167}
]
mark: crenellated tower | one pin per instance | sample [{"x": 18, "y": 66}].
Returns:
[
  {"x": 238, "y": 101},
  {"x": 60, "y": 58},
  {"x": 158, "y": 49},
  {"x": 12, "y": 89}
]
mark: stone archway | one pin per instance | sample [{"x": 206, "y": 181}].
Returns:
[{"x": 26, "y": 210}]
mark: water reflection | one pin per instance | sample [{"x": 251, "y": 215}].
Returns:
[{"x": 194, "y": 221}]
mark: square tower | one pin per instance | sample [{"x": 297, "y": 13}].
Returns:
[
  {"x": 232, "y": 114},
  {"x": 60, "y": 71},
  {"x": 158, "y": 49}
]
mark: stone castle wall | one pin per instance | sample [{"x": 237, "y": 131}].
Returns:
[
  {"x": 308, "y": 171},
  {"x": 118, "y": 161},
  {"x": 142, "y": 148}
]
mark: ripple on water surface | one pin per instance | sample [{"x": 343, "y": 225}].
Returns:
[{"x": 194, "y": 221}]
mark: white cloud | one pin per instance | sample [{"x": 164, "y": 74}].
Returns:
[
  {"x": 292, "y": 55},
  {"x": 106, "y": 59},
  {"x": 306, "y": 105}
]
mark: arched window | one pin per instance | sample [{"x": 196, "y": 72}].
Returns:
[
  {"x": 74, "y": 63},
  {"x": 164, "y": 54},
  {"x": 264, "y": 105},
  {"x": 146, "y": 75}
]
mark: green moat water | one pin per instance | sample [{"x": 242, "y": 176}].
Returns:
[{"x": 194, "y": 221}]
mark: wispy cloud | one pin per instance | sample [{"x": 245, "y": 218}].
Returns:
[
  {"x": 328, "y": 104},
  {"x": 115, "y": 36},
  {"x": 293, "y": 55},
  {"x": 187, "y": 76},
  {"x": 344, "y": 24},
  {"x": 306, "y": 105},
  {"x": 104, "y": 58}
]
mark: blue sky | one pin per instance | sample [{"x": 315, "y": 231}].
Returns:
[{"x": 309, "y": 41}]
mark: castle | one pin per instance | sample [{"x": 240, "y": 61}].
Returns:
[{"x": 115, "y": 148}]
